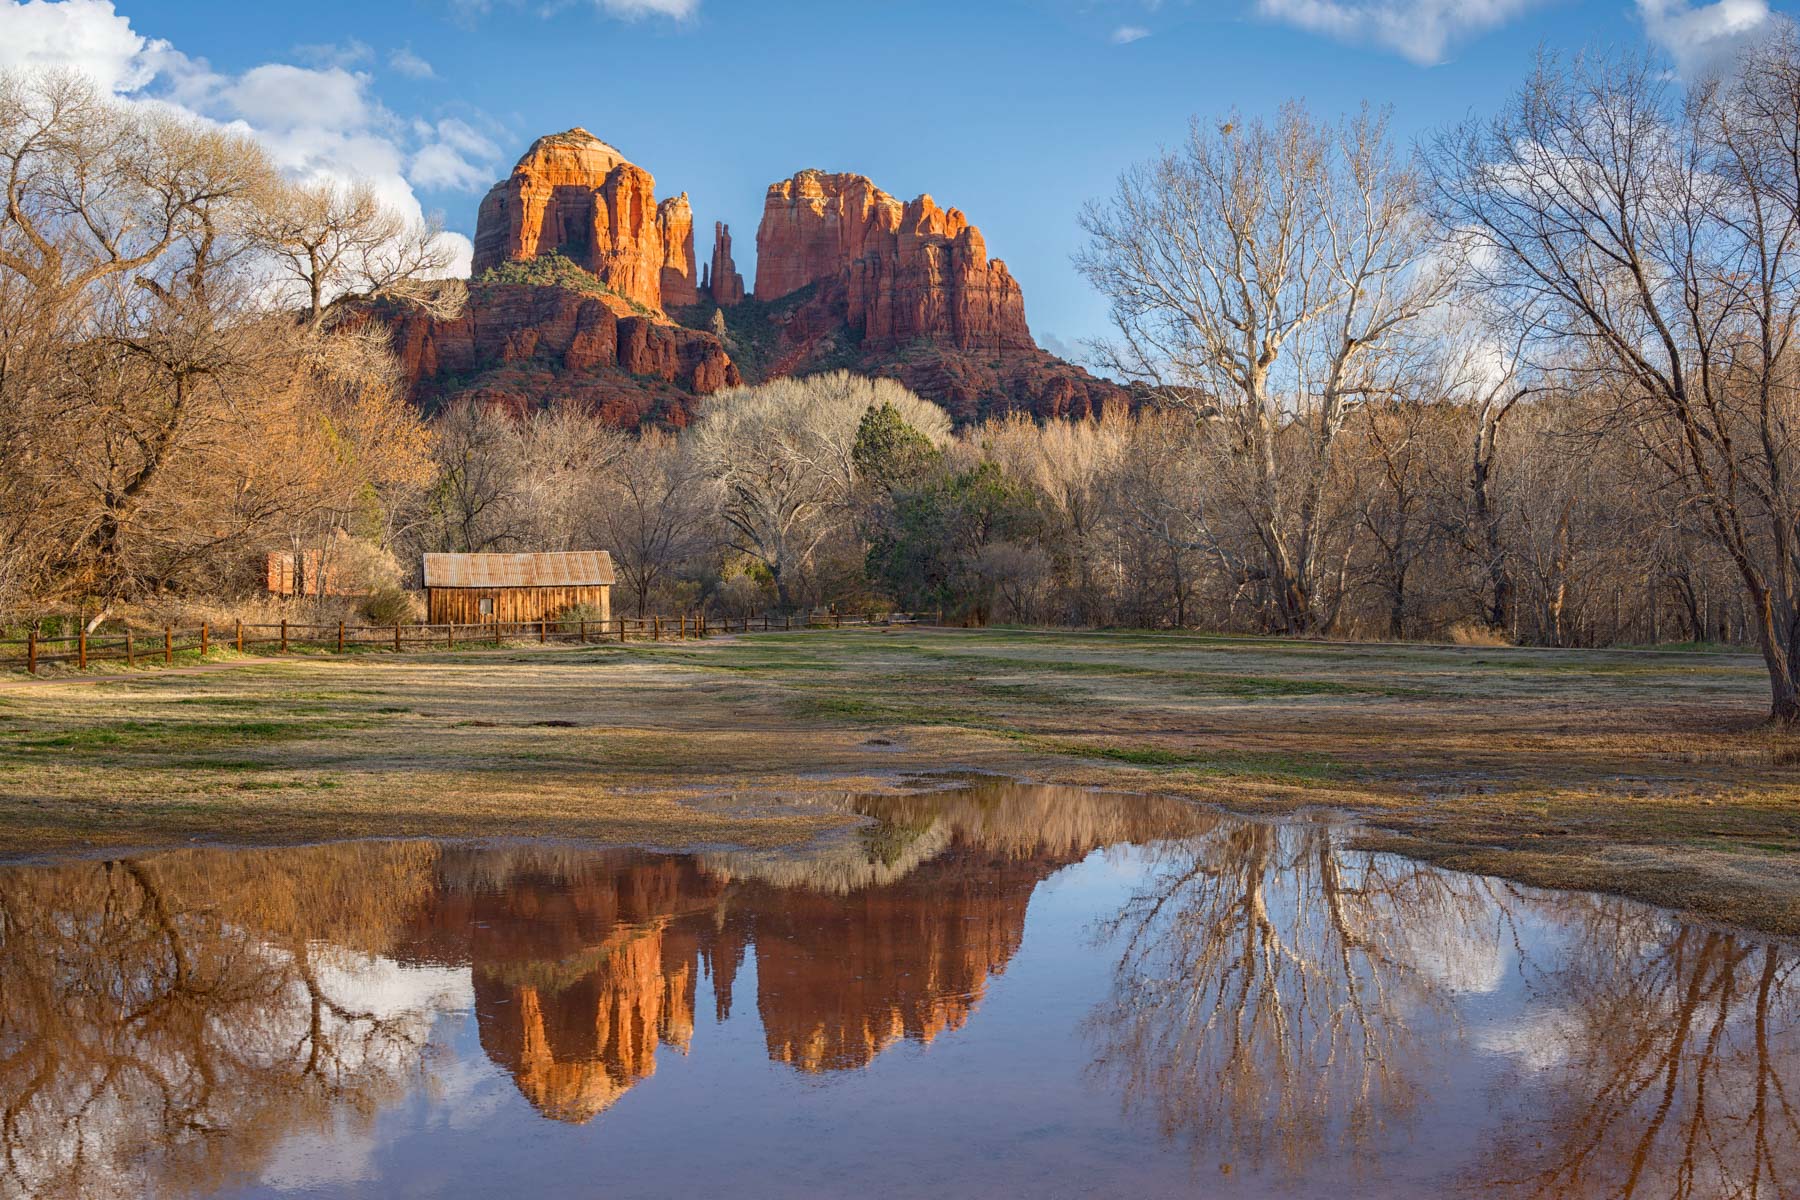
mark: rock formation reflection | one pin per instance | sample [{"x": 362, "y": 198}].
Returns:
[{"x": 1275, "y": 1002}]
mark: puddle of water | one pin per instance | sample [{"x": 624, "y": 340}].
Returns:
[{"x": 997, "y": 990}]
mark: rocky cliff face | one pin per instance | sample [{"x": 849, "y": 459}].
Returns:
[
  {"x": 675, "y": 225},
  {"x": 849, "y": 276},
  {"x": 901, "y": 271},
  {"x": 574, "y": 194},
  {"x": 523, "y": 345}
]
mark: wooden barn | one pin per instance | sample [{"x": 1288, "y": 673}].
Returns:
[{"x": 474, "y": 589}]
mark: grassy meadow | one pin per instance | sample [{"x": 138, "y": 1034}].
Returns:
[{"x": 1647, "y": 774}]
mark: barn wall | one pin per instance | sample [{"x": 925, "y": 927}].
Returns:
[{"x": 462, "y": 606}]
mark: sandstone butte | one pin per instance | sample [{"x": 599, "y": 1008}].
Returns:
[
  {"x": 906, "y": 271},
  {"x": 574, "y": 194},
  {"x": 846, "y": 275},
  {"x": 907, "y": 290}
]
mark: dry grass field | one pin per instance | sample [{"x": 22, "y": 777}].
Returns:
[{"x": 1646, "y": 774}]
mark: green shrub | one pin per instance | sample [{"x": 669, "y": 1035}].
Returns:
[
  {"x": 390, "y": 605},
  {"x": 581, "y": 612}
]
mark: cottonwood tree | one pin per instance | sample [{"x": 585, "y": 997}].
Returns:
[
  {"x": 1653, "y": 237},
  {"x": 650, "y": 512},
  {"x": 1261, "y": 277},
  {"x": 782, "y": 457},
  {"x": 333, "y": 244}
]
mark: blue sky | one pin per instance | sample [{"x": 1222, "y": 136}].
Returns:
[{"x": 1015, "y": 111}]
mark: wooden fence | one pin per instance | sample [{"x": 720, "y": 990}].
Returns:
[{"x": 133, "y": 648}]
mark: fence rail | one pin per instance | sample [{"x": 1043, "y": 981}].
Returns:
[{"x": 134, "y": 648}]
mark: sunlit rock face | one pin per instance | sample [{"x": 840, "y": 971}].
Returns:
[
  {"x": 574, "y": 194},
  {"x": 905, "y": 270},
  {"x": 675, "y": 227},
  {"x": 723, "y": 282},
  {"x": 907, "y": 290}
]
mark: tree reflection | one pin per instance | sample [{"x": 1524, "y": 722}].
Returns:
[
  {"x": 1670, "y": 1069},
  {"x": 1282, "y": 1003},
  {"x": 158, "y": 1021},
  {"x": 1270, "y": 992}
]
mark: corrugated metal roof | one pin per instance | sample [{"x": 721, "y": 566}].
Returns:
[{"x": 573, "y": 568}]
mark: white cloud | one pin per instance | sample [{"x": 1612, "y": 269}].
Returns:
[
  {"x": 1124, "y": 35},
  {"x": 632, "y": 10},
  {"x": 410, "y": 65},
  {"x": 319, "y": 123},
  {"x": 1420, "y": 30},
  {"x": 86, "y": 35},
  {"x": 331, "y": 54},
  {"x": 281, "y": 98},
  {"x": 455, "y": 156},
  {"x": 1700, "y": 37}
]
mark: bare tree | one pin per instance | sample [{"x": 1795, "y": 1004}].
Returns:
[
  {"x": 651, "y": 513},
  {"x": 1653, "y": 238},
  {"x": 1261, "y": 277},
  {"x": 337, "y": 243}
]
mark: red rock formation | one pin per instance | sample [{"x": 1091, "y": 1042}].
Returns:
[
  {"x": 575, "y": 194},
  {"x": 847, "y": 276},
  {"x": 906, "y": 271},
  {"x": 724, "y": 281},
  {"x": 524, "y": 346},
  {"x": 675, "y": 224}
]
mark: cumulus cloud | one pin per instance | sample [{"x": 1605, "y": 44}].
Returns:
[
  {"x": 86, "y": 35},
  {"x": 1420, "y": 30},
  {"x": 455, "y": 155},
  {"x": 1124, "y": 35},
  {"x": 1699, "y": 37},
  {"x": 410, "y": 65},
  {"x": 319, "y": 123}
]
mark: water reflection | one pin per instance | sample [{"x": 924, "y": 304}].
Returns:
[
  {"x": 1276, "y": 996},
  {"x": 1257, "y": 1001}
]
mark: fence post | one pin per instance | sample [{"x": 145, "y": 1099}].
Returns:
[
  {"x": 584, "y": 631},
  {"x": 496, "y": 633},
  {"x": 396, "y": 637},
  {"x": 205, "y": 639},
  {"x": 284, "y": 635},
  {"x": 837, "y": 620},
  {"x": 130, "y": 654},
  {"x": 31, "y": 651},
  {"x": 340, "y": 637},
  {"x": 240, "y": 637},
  {"x": 621, "y": 631},
  {"x": 450, "y": 635},
  {"x": 168, "y": 645},
  {"x": 543, "y": 630},
  {"x": 81, "y": 649}
]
